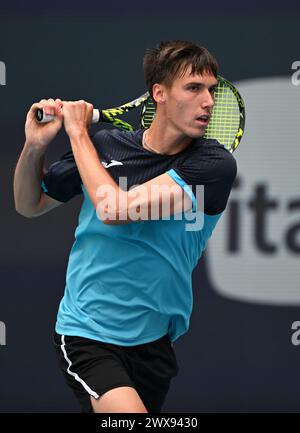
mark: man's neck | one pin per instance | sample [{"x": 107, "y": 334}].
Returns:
[{"x": 165, "y": 141}]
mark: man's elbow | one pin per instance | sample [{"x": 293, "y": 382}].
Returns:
[
  {"x": 25, "y": 213},
  {"x": 114, "y": 221},
  {"x": 28, "y": 212},
  {"x": 112, "y": 217}
]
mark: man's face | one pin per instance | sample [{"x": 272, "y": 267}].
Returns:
[{"x": 189, "y": 103}]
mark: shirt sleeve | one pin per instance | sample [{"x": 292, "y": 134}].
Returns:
[
  {"x": 215, "y": 169},
  {"x": 62, "y": 180}
]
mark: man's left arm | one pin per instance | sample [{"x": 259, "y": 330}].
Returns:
[{"x": 154, "y": 199}]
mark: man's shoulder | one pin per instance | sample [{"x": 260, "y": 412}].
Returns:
[
  {"x": 209, "y": 154},
  {"x": 209, "y": 146},
  {"x": 221, "y": 160}
]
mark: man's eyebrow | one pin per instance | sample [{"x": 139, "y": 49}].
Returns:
[{"x": 196, "y": 83}]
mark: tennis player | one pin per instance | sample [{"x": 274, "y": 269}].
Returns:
[{"x": 128, "y": 293}]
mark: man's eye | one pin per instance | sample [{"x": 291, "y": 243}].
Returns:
[{"x": 193, "y": 88}]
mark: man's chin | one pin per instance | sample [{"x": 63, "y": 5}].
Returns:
[
  {"x": 198, "y": 134},
  {"x": 194, "y": 133}
]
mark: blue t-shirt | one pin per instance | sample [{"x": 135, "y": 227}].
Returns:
[{"x": 131, "y": 284}]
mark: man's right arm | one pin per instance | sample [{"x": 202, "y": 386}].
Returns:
[{"x": 30, "y": 200}]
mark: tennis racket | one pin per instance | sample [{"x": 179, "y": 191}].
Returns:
[{"x": 226, "y": 125}]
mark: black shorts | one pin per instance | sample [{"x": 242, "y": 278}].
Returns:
[{"x": 93, "y": 367}]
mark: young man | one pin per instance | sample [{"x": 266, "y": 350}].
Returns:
[{"x": 128, "y": 293}]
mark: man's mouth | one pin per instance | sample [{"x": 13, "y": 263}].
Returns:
[{"x": 203, "y": 119}]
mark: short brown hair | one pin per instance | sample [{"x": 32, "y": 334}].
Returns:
[{"x": 170, "y": 59}]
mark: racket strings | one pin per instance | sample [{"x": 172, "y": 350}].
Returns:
[{"x": 225, "y": 120}]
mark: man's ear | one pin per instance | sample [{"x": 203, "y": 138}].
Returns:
[{"x": 159, "y": 93}]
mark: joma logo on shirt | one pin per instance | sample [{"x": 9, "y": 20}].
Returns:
[{"x": 111, "y": 164}]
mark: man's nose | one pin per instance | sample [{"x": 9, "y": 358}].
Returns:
[{"x": 208, "y": 101}]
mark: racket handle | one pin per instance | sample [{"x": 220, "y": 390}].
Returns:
[{"x": 41, "y": 117}]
